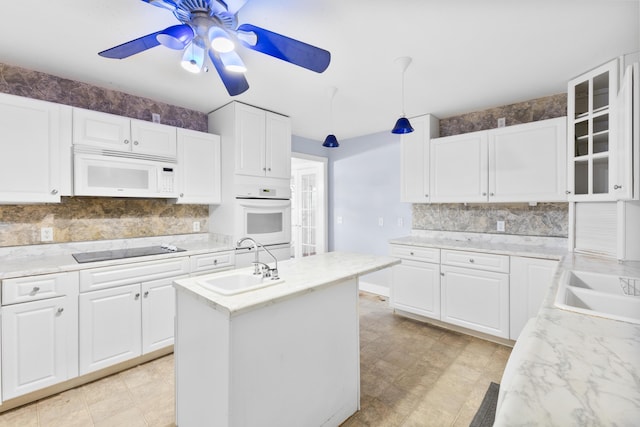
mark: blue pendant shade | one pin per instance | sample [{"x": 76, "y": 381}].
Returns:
[
  {"x": 402, "y": 126},
  {"x": 331, "y": 142},
  {"x": 176, "y": 37}
]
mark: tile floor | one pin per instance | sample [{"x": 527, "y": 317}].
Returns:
[{"x": 412, "y": 374}]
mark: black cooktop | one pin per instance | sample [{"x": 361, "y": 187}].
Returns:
[{"x": 125, "y": 253}]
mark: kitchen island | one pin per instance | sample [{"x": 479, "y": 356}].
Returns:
[{"x": 282, "y": 355}]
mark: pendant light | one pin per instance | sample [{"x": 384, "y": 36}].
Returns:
[
  {"x": 403, "y": 125},
  {"x": 331, "y": 141}
]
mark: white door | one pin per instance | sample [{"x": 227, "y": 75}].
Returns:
[
  {"x": 39, "y": 345},
  {"x": 110, "y": 327},
  {"x": 158, "y": 312},
  {"x": 308, "y": 206}
]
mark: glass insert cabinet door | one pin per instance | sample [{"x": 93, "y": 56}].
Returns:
[{"x": 591, "y": 114}]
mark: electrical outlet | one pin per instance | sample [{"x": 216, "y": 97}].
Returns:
[
  {"x": 400, "y": 222},
  {"x": 46, "y": 234},
  {"x": 380, "y": 221},
  {"x": 502, "y": 122},
  {"x": 196, "y": 226},
  {"x": 500, "y": 226},
  {"x": 339, "y": 220},
  {"x": 155, "y": 117}
]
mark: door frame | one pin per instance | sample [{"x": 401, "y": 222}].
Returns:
[{"x": 323, "y": 197}]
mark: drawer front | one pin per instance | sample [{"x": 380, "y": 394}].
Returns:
[
  {"x": 33, "y": 288},
  {"x": 477, "y": 260},
  {"x": 109, "y": 277},
  {"x": 213, "y": 261},
  {"x": 416, "y": 253}
]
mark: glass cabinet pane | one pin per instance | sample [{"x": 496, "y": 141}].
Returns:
[
  {"x": 601, "y": 175},
  {"x": 581, "y": 97},
  {"x": 581, "y": 138},
  {"x": 601, "y": 91},
  {"x": 601, "y": 134},
  {"x": 581, "y": 178}
]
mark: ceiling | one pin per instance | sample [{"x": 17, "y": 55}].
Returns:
[{"x": 467, "y": 55}]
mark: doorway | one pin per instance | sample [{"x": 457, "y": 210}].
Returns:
[{"x": 308, "y": 205}]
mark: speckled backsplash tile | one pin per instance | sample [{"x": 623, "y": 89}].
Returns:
[
  {"x": 548, "y": 107},
  {"x": 33, "y": 84},
  {"x": 79, "y": 219},
  {"x": 544, "y": 219}
]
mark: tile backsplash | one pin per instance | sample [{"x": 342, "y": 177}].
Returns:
[
  {"x": 79, "y": 219},
  {"x": 544, "y": 219},
  {"x": 96, "y": 218}
]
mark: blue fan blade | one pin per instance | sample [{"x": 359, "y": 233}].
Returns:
[
  {"x": 285, "y": 48},
  {"x": 132, "y": 47},
  {"x": 234, "y": 82}
]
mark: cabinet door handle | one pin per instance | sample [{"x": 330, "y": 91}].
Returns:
[
  {"x": 215, "y": 262},
  {"x": 138, "y": 295},
  {"x": 126, "y": 141},
  {"x": 60, "y": 310},
  {"x": 135, "y": 142},
  {"x": 269, "y": 169},
  {"x": 411, "y": 253},
  {"x": 442, "y": 274},
  {"x": 181, "y": 194},
  {"x": 491, "y": 194},
  {"x": 484, "y": 194},
  {"x": 35, "y": 290},
  {"x": 146, "y": 294},
  {"x": 617, "y": 187},
  {"x": 471, "y": 260},
  {"x": 567, "y": 192},
  {"x": 54, "y": 191},
  {"x": 426, "y": 195}
]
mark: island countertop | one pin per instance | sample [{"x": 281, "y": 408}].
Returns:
[{"x": 300, "y": 276}]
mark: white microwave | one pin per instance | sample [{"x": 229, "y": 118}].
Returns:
[{"x": 123, "y": 176}]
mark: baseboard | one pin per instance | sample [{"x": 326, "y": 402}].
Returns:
[{"x": 373, "y": 288}]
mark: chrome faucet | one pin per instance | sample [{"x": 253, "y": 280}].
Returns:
[{"x": 261, "y": 267}]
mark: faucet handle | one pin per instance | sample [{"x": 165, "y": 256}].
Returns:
[{"x": 274, "y": 274}]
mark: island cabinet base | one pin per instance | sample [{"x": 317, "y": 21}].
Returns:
[{"x": 293, "y": 362}]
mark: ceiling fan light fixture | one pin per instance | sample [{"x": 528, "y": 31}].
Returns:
[
  {"x": 220, "y": 41},
  {"x": 176, "y": 37},
  {"x": 232, "y": 62},
  {"x": 193, "y": 58}
]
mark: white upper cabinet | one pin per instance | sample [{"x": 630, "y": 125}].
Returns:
[
  {"x": 527, "y": 162},
  {"x": 591, "y": 134},
  {"x": 119, "y": 133},
  {"x": 199, "y": 172},
  {"x": 414, "y": 158},
  {"x": 458, "y": 168},
  {"x": 626, "y": 151},
  {"x": 261, "y": 140},
  {"x": 35, "y": 150}
]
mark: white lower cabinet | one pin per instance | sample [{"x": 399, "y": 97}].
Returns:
[
  {"x": 476, "y": 299},
  {"x": 39, "y": 334},
  {"x": 530, "y": 282},
  {"x": 158, "y": 313},
  {"x": 110, "y": 328},
  {"x": 416, "y": 281}
]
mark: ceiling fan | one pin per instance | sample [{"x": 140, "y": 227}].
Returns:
[{"x": 210, "y": 28}]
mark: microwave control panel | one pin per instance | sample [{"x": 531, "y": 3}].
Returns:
[{"x": 167, "y": 180}]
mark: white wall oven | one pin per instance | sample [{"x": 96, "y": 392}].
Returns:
[{"x": 268, "y": 221}]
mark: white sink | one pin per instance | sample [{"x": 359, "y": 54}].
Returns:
[
  {"x": 235, "y": 282},
  {"x": 603, "y": 295}
]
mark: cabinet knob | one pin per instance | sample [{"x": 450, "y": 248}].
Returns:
[
  {"x": 264, "y": 169},
  {"x": 471, "y": 260},
  {"x": 567, "y": 192},
  {"x": 215, "y": 262},
  {"x": 491, "y": 194},
  {"x": 126, "y": 141},
  {"x": 60, "y": 310},
  {"x": 135, "y": 142},
  {"x": 484, "y": 194},
  {"x": 181, "y": 194},
  {"x": 426, "y": 195},
  {"x": 442, "y": 274},
  {"x": 411, "y": 253},
  {"x": 54, "y": 191},
  {"x": 138, "y": 295},
  {"x": 617, "y": 187},
  {"x": 35, "y": 290},
  {"x": 146, "y": 294},
  {"x": 269, "y": 169}
]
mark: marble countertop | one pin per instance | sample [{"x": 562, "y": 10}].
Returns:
[
  {"x": 571, "y": 369},
  {"x": 300, "y": 276},
  {"x": 52, "y": 258},
  {"x": 526, "y": 246}
]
